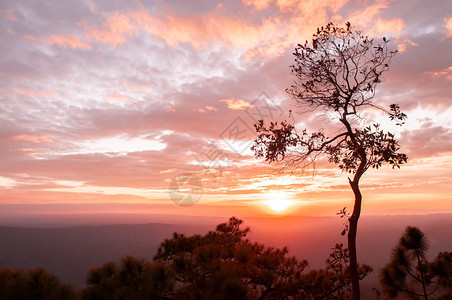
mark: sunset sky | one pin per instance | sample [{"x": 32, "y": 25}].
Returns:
[{"x": 104, "y": 103}]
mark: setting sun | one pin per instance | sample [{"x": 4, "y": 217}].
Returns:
[{"x": 278, "y": 201}]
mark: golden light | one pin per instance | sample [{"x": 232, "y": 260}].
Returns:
[{"x": 278, "y": 201}]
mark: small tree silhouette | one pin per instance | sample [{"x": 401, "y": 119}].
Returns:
[
  {"x": 410, "y": 273},
  {"x": 35, "y": 283},
  {"x": 337, "y": 73}
]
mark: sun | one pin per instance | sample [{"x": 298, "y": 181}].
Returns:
[{"x": 278, "y": 201}]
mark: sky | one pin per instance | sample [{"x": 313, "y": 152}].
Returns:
[{"x": 148, "y": 106}]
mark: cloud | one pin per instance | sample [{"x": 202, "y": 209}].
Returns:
[
  {"x": 65, "y": 41},
  {"x": 444, "y": 73},
  {"x": 369, "y": 19},
  {"x": 428, "y": 140},
  {"x": 448, "y": 26},
  {"x": 120, "y": 97},
  {"x": 257, "y": 4},
  {"x": 114, "y": 30},
  {"x": 236, "y": 104},
  {"x": 36, "y": 139},
  {"x": 10, "y": 15},
  {"x": 211, "y": 27},
  {"x": 403, "y": 43}
]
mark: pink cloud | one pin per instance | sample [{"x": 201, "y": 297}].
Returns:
[
  {"x": 210, "y": 108},
  {"x": 443, "y": 73},
  {"x": 236, "y": 104},
  {"x": 65, "y": 41},
  {"x": 9, "y": 15},
  {"x": 27, "y": 150},
  {"x": 34, "y": 93},
  {"x": 135, "y": 87},
  {"x": 200, "y": 31},
  {"x": 369, "y": 19},
  {"x": 257, "y": 4},
  {"x": 403, "y": 43},
  {"x": 393, "y": 26},
  {"x": 120, "y": 97},
  {"x": 311, "y": 8},
  {"x": 448, "y": 26},
  {"x": 113, "y": 31},
  {"x": 36, "y": 139}
]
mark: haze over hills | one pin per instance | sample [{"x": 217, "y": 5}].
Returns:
[{"x": 69, "y": 252}]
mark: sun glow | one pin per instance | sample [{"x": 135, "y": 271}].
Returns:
[{"x": 278, "y": 201}]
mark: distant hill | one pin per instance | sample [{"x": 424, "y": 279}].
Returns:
[{"x": 70, "y": 252}]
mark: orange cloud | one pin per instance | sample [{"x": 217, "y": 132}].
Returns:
[
  {"x": 135, "y": 87},
  {"x": 448, "y": 27},
  {"x": 113, "y": 31},
  {"x": 199, "y": 31},
  {"x": 444, "y": 73},
  {"x": 369, "y": 19},
  {"x": 403, "y": 43},
  {"x": 205, "y": 109},
  {"x": 257, "y": 4},
  {"x": 65, "y": 41},
  {"x": 120, "y": 97},
  {"x": 394, "y": 26},
  {"x": 27, "y": 149},
  {"x": 236, "y": 104},
  {"x": 9, "y": 14},
  {"x": 311, "y": 8},
  {"x": 33, "y": 93},
  {"x": 36, "y": 139}
]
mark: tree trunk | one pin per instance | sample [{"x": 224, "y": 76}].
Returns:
[
  {"x": 422, "y": 275},
  {"x": 353, "y": 222}
]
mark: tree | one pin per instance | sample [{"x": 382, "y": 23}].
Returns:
[
  {"x": 410, "y": 273},
  {"x": 132, "y": 278},
  {"x": 224, "y": 264},
  {"x": 36, "y": 283},
  {"x": 337, "y": 73}
]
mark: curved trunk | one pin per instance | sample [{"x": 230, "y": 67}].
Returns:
[{"x": 353, "y": 222}]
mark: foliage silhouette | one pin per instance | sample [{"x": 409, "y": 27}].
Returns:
[
  {"x": 222, "y": 264},
  {"x": 132, "y": 279},
  {"x": 411, "y": 274},
  {"x": 337, "y": 73},
  {"x": 34, "y": 284}
]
